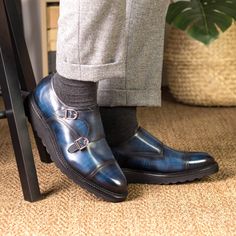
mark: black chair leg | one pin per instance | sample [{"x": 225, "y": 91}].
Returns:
[
  {"x": 19, "y": 134},
  {"x": 25, "y": 71},
  {"x": 9, "y": 82}
]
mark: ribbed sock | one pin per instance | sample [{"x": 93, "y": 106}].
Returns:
[
  {"x": 75, "y": 93},
  {"x": 120, "y": 123}
]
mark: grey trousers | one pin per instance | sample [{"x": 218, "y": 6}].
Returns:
[{"x": 116, "y": 42}]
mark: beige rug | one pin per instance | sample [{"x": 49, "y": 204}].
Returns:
[{"x": 206, "y": 207}]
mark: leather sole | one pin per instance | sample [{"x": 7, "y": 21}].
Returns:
[
  {"x": 49, "y": 141},
  {"x": 142, "y": 177}
]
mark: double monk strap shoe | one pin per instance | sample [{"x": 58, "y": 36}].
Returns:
[
  {"x": 75, "y": 141},
  {"x": 144, "y": 159}
]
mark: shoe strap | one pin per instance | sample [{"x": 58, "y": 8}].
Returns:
[
  {"x": 68, "y": 114},
  {"x": 78, "y": 145}
]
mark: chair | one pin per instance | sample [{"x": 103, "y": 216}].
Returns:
[{"x": 16, "y": 81}]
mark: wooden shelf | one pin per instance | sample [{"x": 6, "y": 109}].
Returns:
[
  {"x": 44, "y": 32},
  {"x": 52, "y": 1}
]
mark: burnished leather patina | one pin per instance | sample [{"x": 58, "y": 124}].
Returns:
[
  {"x": 144, "y": 159},
  {"x": 76, "y": 143}
]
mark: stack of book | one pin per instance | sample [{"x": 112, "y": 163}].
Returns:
[{"x": 52, "y": 28}]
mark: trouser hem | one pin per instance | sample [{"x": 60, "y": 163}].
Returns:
[
  {"x": 92, "y": 73},
  {"x": 116, "y": 97}
]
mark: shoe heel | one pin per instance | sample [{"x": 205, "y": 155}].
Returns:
[{"x": 43, "y": 154}]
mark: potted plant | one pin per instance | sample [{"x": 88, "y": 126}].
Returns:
[{"x": 200, "y": 69}]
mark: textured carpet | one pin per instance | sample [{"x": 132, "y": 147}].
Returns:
[{"x": 206, "y": 207}]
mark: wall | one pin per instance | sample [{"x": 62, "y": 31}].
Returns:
[{"x": 31, "y": 18}]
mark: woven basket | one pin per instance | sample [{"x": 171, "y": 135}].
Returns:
[{"x": 199, "y": 74}]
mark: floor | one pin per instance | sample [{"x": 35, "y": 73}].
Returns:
[{"x": 206, "y": 207}]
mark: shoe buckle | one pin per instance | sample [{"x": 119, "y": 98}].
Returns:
[
  {"x": 71, "y": 114},
  {"x": 81, "y": 143}
]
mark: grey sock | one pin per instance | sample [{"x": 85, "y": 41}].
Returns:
[
  {"x": 120, "y": 123},
  {"x": 75, "y": 93}
]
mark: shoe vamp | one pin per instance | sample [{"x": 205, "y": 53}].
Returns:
[{"x": 96, "y": 153}]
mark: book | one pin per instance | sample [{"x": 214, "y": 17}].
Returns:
[
  {"x": 51, "y": 62},
  {"x": 52, "y": 39},
  {"x": 52, "y": 16}
]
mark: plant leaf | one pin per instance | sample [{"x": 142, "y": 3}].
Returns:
[{"x": 203, "y": 20}]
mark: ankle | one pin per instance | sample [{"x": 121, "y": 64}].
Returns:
[
  {"x": 75, "y": 93},
  {"x": 120, "y": 123}
]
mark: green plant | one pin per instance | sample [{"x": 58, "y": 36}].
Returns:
[{"x": 203, "y": 20}]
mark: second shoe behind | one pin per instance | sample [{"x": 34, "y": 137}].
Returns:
[{"x": 144, "y": 159}]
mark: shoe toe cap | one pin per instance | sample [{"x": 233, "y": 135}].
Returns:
[
  {"x": 112, "y": 179},
  {"x": 199, "y": 160}
]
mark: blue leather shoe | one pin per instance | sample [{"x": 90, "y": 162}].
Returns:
[
  {"x": 76, "y": 144},
  {"x": 144, "y": 159}
]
